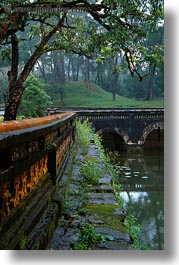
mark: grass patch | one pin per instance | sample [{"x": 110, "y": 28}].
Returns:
[
  {"x": 90, "y": 174},
  {"x": 87, "y": 237},
  {"x": 83, "y": 133},
  {"x": 76, "y": 94}
]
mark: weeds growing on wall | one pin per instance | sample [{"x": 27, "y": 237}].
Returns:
[
  {"x": 87, "y": 237},
  {"x": 83, "y": 135}
]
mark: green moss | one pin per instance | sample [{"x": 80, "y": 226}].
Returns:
[
  {"x": 102, "y": 209},
  {"x": 22, "y": 242},
  {"x": 51, "y": 229},
  {"x": 105, "y": 213},
  {"x": 93, "y": 159}
]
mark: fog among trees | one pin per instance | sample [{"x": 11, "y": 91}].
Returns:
[{"x": 117, "y": 45}]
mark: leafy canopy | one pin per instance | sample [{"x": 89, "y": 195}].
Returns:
[{"x": 118, "y": 25}]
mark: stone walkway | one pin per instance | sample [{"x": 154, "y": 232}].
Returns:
[{"x": 95, "y": 207}]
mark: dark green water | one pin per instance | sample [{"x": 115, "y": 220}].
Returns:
[{"x": 143, "y": 181}]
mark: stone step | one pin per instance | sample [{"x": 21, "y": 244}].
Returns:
[
  {"x": 103, "y": 188},
  {"x": 116, "y": 235},
  {"x": 107, "y": 179},
  {"x": 102, "y": 198}
]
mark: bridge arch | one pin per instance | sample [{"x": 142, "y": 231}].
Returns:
[
  {"x": 149, "y": 129},
  {"x": 113, "y": 138}
]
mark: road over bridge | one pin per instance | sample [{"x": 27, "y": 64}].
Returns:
[{"x": 123, "y": 127}]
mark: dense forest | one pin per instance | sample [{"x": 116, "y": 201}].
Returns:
[{"x": 117, "y": 45}]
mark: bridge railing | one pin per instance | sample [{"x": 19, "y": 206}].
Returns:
[
  {"x": 30, "y": 150},
  {"x": 92, "y": 113}
]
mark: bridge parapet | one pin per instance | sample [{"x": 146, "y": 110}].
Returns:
[
  {"x": 31, "y": 150},
  {"x": 132, "y": 124},
  {"x": 117, "y": 113}
]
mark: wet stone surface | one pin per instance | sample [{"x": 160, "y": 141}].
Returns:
[
  {"x": 102, "y": 198},
  {"x": 76, "y": 213},
  {"x": 63, "y": 238},
  {"x": 93, "y": 151},
  {"x": 119, "y": 212},
  {"x": 107, "y": 179},
  {"x": 117, "y": 236},
  {"x": 113, "y": 245},
  {"x": 104, "y": 188}
]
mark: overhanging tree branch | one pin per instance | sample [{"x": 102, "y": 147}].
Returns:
[{"x": 16, "y": 84}]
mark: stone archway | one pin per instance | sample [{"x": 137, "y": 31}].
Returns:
[
  {"x": 113, "y": 138},
  {"x": 153, "y": 131}
]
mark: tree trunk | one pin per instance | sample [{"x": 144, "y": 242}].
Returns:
[
  {"x": 17, "y": 20},
  {"x": 151, "y": 83},
  {"x": 59, "y": 73},
  {"x": 68, "y": 71},
  {"x": 55, "y": 67},
  {"x": 73, "y": 69},
  {"x": 100, "y": 74},
  {"x": 14, "y": 101},
  {"x": 114, "y": 85},
  {"x": 87, "y": 73},
  {"x": 61, "y": 68},
  {"x": 15, "y": 87},
  {"x": 42, "y": 69},
  {"x": 77, "y": 71},
  {"x": 16, "y": 83}
]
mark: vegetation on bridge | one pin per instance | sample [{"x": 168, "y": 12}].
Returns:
[{"x": 90, "y": 175}]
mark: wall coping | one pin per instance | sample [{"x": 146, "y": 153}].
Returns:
[{"x": 8, "y": 126}]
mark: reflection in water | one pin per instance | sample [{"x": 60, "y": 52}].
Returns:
[{"x": 143, "y": 181}]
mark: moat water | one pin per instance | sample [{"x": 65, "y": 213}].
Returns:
[{"x": 142, "y": 178}]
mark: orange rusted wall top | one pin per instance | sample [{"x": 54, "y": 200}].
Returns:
[{"x": 6, "y": 126}]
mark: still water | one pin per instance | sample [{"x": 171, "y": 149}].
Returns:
[{"x": 143, "y": 181}]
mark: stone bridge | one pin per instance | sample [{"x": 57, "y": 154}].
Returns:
[{"x": 123, "y": 128}]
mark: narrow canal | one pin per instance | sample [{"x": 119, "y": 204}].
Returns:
[{"x": 142, "y": 178}]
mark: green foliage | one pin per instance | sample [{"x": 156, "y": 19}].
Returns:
[
  {"x": 22, "y": 243},
  {"x": 51, "y": 146},
  {"x": 90, "y": 173},
  {"x": 83, "y": 135},
  {"x": 131, "y": 224},
  {"x": 5, "y": 53},
  {"x": 120, "y": 29},
  {"x": 89, "y": 177},
  {"x": 34, "y": 31},
  {"x": 133, "y": 229},
  {"x": 34, "y": 100},
  {"x": 87, "y": 237}
]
